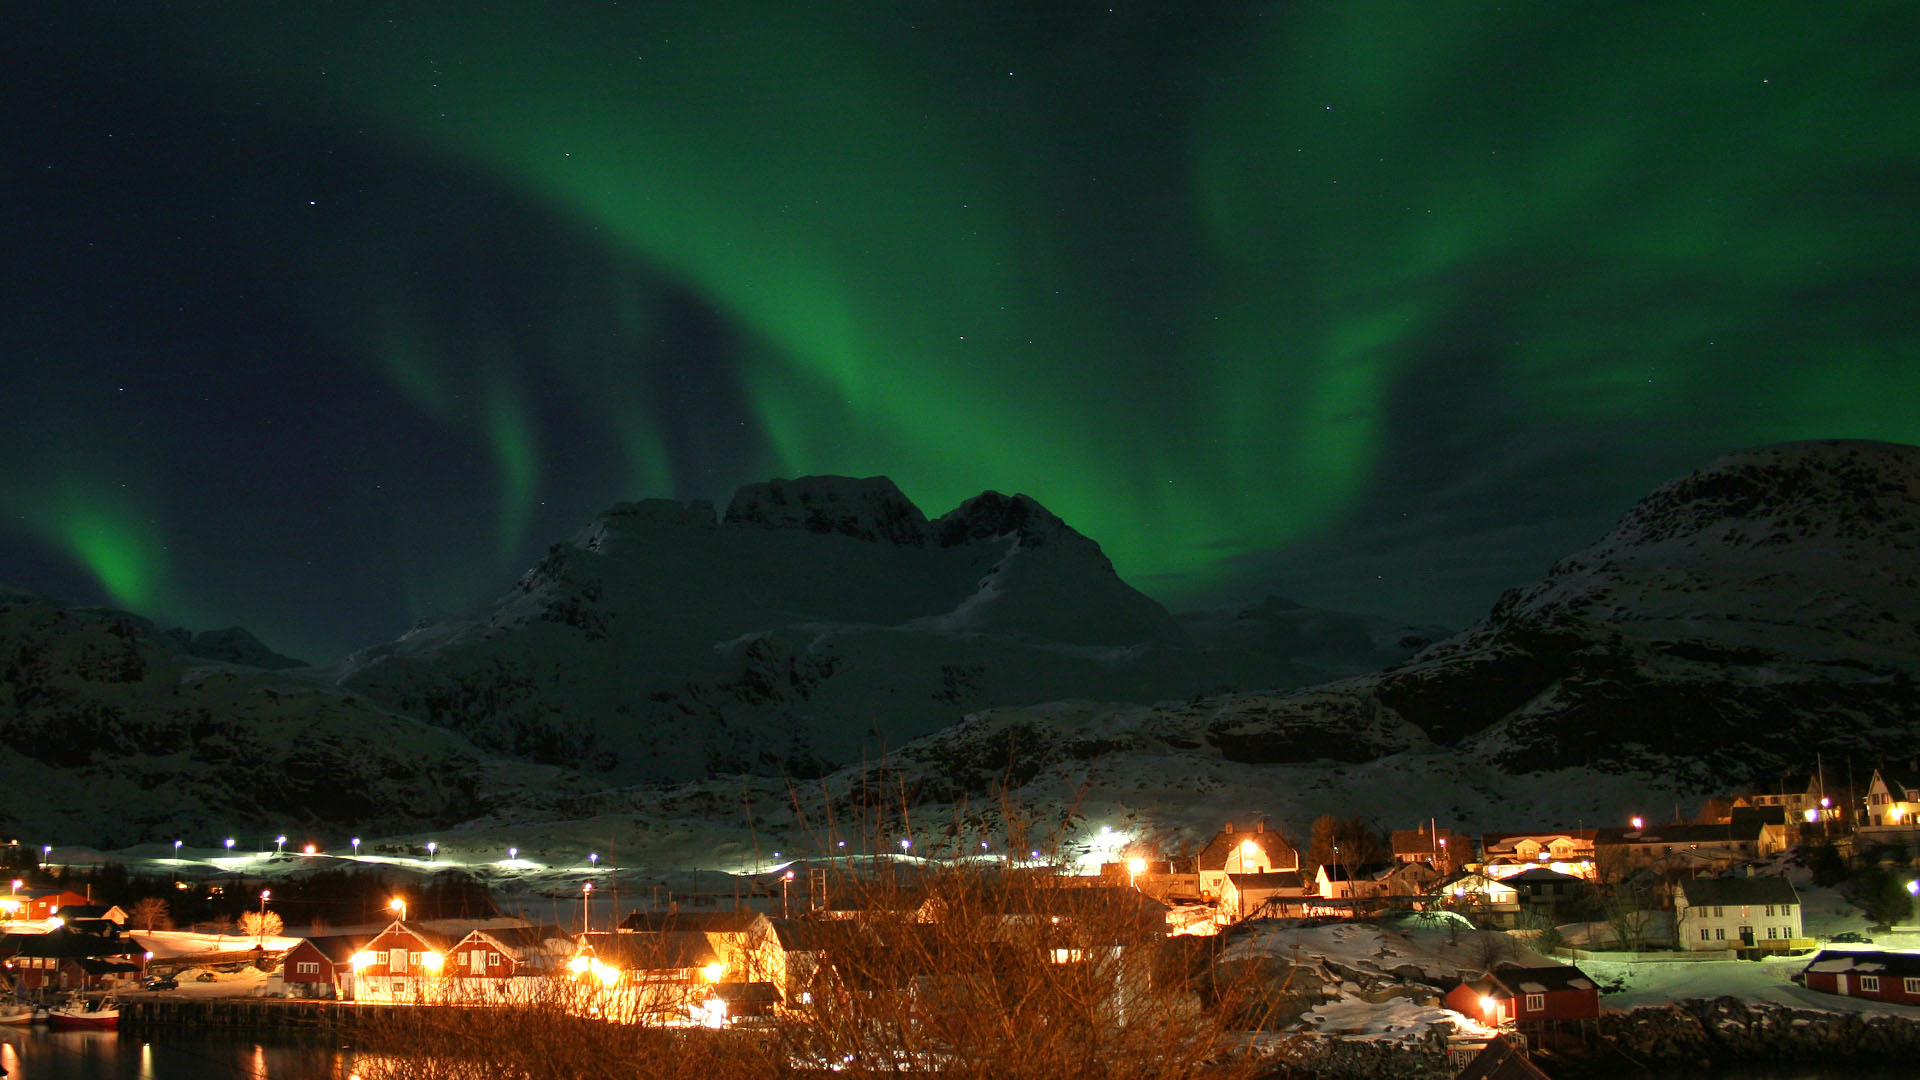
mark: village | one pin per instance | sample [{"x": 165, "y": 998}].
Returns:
[{"x": 1523, "y": 929}]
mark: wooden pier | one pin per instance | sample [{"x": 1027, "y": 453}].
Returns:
[{"x": 239, "y": 1013}]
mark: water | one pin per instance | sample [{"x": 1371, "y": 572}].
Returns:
[{"x": 36, "y": 1053}]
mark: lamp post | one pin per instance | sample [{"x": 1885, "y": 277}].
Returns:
[
  {"x": 786, "y": 879},
  {"x": 593, "y": 860},
  {"x": 176, "y": 851},
  {"x": 229, "y": 845},
  {"x": 280, "y": 844},
  {"x": 356, "y": 847},
  {"x": 431, "y": 848},
  {"x": 586, "y": 910},
  {"x": 513, "y": 853},
  {"x": 261, "y": 928},
  {"x": 399, "y": 905}
]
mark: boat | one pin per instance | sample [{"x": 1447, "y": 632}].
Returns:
[
  {"x": 82, "y": 1013},
  {"x": 13, "y": 1012}
]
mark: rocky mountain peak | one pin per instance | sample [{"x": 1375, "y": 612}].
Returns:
[{"x": 868, "y": 508}]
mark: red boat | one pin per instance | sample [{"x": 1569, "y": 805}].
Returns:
[{"x": 79, "y": 1013}]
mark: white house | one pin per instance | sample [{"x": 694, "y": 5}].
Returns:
[
  {"x": 1258, "y": 850},
  {"x": 1738, "y": 913}
]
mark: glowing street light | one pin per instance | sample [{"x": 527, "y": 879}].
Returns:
[
  {"x": 431, "y": 848},
  {"x": 400, "y": 905},
  {"x": 176, "y": 850},
  {"x": 311, "y": 849},
  {"x": 513, "y": 853},
  {"x": 786, "y": 879},
  {"x": 906, "y": 844},
  {"x": 262, "y": 928},
  {"x": 1135, "y": 867},
  {"x": 280, "y": 844},
  {"x": 356, "y": 847},
  {"x": 586, "y": 909},
  {"x": 593, "y": 859},
  {"x": 229, "y": 845},
  {"x": 1639, "y": 822}
]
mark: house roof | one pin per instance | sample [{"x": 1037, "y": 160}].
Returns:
[
  {"x": 1421, "y": 842},
  {"x": 520, "y": 940},
  {"x": 1522, "y": 979},
  {"x": 432, "y": 939},
  {"x": 1738, "y": 890},
  {"x": 1739, "y": 830},
  {"x": 1495, "y": 842},
  {"x": 645, "y": 952},
  {"x": 1894, "y": 965},
  {"x": 1214, "y": 855},
  {"x": 1278, "y": 879},
  {"x": 1539, "y": 875},
  {"x": 1501, "y": 1060},
  {"x": 1901, "y": 782},
  {"x": 66, "y": 942},
  {"x": 338, "y": 948},
  {"x": 703, "y": 922}
]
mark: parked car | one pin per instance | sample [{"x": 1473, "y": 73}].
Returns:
[
  {"x": 166, "y": 982},
  {"x": 1850, "y": 937}
]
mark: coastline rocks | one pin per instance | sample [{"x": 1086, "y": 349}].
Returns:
[{"x": 1728, "y": 1029}]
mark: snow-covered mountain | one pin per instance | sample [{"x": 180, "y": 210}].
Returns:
[
  {"x": 1734, "y": 624},
  {"x": 817, "y": 621},
  {"x": 110, "y": 732}
]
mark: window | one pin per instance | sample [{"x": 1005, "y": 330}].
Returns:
[
  {"x": 1770, "y": 933},
  {"x": 493, "y": 959},
  {"x": 307, "y": 967},
  {"x": 1911, "y": 986},
  {"x": 1869, "y": 984},
  {"x": 1706, "y": 934},
  {"x": 1786, "y": 909},
  {"x": 1536, "y": 1002},
  {"x": 1719, "y": 933},
  {"x": 1719, "y": 912},
  {"x": 1769, "y": 913}
]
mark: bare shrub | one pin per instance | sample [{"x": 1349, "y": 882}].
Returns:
[{"x": 968, "y": 972}]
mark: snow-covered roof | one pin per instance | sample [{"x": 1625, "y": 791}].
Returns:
[{"x": 1738, "y": 890}]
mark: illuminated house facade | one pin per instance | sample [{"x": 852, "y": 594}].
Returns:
[
  {"x": 1893, "y": 798},
  {"x": 1738, "y": 913},
  {"x": 513, "y": 963},
  {"x": 404, "y": 962},
  {"x": 1571, "y": 852},
  {"x": 1258, "y": 850},
  {"x": 1526, "y": 996}
]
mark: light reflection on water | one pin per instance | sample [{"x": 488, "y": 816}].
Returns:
[{"x": 39, "y": 1054}]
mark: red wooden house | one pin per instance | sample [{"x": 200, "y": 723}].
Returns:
[
  {"x": 404, "y": 962},
  {"x": 1882, "y": 976},
  {"x": 496, "y": 962},
  {"x": 1513, "y": 994},
  {"x": 322, "y": 967}
]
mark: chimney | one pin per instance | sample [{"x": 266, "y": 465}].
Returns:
[
  {"x": 1260, "y": 826},
  {"x": 1229, "y": 827}
]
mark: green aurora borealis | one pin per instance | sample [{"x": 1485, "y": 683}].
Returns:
[{"x": 322, "y": 318}]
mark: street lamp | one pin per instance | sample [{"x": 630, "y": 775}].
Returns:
[
  {"x": 586, "y": 911},
  {"x": 593, "y": 859},
  {"x": 176, "y": 850},
  {"x": 356, "y": 847},
  {"x": 280, "y": 844},
  {"x": 262, "y": 927},
  {"x": 513, "y": 853},
  {"x": 431, "y": 848},
  {"x": 1135, "y": 867},
  {"x": 229, "y": 845},
  {"x": 786, "y": 879},
  {"x": 906, "y": 844},
  {"x": 399, "y": 905}
]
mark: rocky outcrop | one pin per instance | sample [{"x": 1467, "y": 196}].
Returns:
[{"x": 1727, "y": 1030}]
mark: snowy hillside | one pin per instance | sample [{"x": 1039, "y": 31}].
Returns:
[
  {"x": 111, "y": 735},
  {"x": 1736, "y": 620},
  {"x": 818, "y": 620}
]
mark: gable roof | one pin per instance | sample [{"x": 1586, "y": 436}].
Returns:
[
  {"x": 337, "y": 948},
  {"x": 1740, "y": 829},
  {"x": 652, "y": 952},
  {"x": 701, "y": 922},
  {"x": 1269, "y": 841},
  {"x": 1893, "y": 965},
  {"x": 524, "y": 939},
  {"x": 1277, "y": 879},
  {"x": 1540, "y": 875},
  {"x": 1738, "y": 890},
  {"x": 1904, "y": 783},
  {"x": 1421, "y": 842},
  {"x": 1501, "y": 1060},
  {"x": 1520, "y": 979}
]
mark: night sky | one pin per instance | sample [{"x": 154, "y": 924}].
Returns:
[{"x": 323, "y": 318}]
